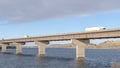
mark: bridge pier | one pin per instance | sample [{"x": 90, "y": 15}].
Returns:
[
  {"x": 18, "y": 48},
  {"x": 4, "y": 48},
  {"x": 41, "y": 48},
  {"x": 80, "y": 47}
]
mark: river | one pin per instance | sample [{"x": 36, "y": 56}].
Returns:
[{"x": 59, "y": 58}]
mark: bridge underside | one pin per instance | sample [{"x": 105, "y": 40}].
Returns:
[{"x": 79, "y": 44}]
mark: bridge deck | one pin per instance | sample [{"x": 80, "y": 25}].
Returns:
[{"x": 83, "y": 35}]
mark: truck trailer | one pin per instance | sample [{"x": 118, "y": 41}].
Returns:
[{"x": 95, "y": 29}]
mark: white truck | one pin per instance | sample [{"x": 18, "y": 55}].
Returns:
[
  {"x": 95, "y": 29},
  {"x": 26, "y": 36}
]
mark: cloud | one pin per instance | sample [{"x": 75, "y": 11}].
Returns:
[{"x": 30, "y": 10}]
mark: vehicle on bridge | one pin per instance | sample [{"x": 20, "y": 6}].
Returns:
[
  {"x": 95, "y": 29},
  {"x": 26, "y": 36}
]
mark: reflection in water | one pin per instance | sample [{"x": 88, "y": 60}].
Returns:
[
  {"x": 26, "y": 55},
  {"x": 115, "y": 65},
  {"x": 80, "y": 63}
]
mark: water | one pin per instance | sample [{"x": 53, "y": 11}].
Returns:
[{"x": 59, "y": 58}]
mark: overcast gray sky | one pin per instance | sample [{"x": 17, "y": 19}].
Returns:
[{"x": 31, "y": 10}]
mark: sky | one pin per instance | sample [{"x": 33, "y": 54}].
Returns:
[
  {"x": 59, "y": 25},
  {"x": 49, "y": 17}
]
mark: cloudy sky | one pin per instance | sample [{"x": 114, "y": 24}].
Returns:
[
  {"x": 47, "y": 17},
  {"x": 16, "y": 11}
]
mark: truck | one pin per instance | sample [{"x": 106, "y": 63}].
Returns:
[
  {"x": 26, "y": 36},
  {"x": 100, "y": 28}
]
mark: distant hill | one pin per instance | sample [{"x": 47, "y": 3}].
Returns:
[
  {"x": 60, "y": 46},
  {"x": 69, "y": 46},
  {"x": 109, "y": 45}
]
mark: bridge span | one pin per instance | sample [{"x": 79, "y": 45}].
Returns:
[{"x": 78, "y": 39}]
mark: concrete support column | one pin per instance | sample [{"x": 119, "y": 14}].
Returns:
[
  {"x": 80, "y": 47},
  {"x": 4, "y": 48},
  {"x": 41, "y": 48},
  {"x": 80, "y": 52},
  {"x": 18, "y": 48}
]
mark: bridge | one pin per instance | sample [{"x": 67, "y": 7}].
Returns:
[{"x": 78, "y": 39}]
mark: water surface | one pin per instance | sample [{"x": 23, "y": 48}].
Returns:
[{"x": 59, "y": 58}]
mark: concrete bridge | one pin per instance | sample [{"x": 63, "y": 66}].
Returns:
[{"x": 78, "y": 39}]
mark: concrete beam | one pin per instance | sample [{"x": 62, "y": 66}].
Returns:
[
  {"x": 80, "y": 47},
  {"x": 85, "y": 41},
  {"x": 41, "y": 48}
]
